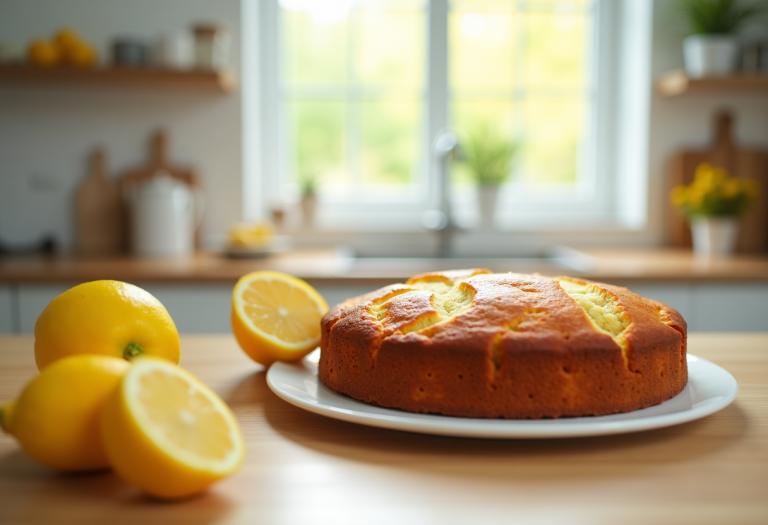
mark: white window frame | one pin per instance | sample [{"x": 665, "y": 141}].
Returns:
[{"x": 617, "y": 207}]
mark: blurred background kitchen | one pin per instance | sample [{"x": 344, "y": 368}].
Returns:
[{"x": 179, "y": 144}]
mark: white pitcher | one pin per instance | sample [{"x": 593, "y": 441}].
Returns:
[{"x": 164, "y": 214}]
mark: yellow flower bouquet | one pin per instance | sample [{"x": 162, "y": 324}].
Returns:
[{"x": 714, "y": 193}]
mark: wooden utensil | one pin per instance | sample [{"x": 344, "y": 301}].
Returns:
[
  {"x": 158, "y": 162},
  {"x": 741, "y": 163},
  {"x": 100, "y": 211}
]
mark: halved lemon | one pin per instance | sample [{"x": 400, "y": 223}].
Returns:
[
  {"x": 168, "y": 433},
  {"x": 276, "y": 317}
]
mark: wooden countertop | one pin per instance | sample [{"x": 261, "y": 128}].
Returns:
[
  {"x": 305, "y": 468},
  {"x": 327, "y": 265}
]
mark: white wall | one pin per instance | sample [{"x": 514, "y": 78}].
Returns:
[{"x": 47, "y": 132}]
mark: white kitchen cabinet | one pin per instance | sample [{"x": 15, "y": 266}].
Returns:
[
  {"x": 205, "y": 308},
  {"x": 714, "y": 307},
  {"x": 731, "y": 308},
  {"x": 679, "y": 296},
  {"x": 31, "y": 300},
  {"x": 195, "y": 308}
]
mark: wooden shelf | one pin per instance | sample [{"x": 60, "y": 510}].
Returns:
[
  {"x": 151, "y": 78},
  {"x": 677, "y": 83}
]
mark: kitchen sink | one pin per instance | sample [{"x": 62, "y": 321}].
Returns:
[{"x": 556, "y": 260}]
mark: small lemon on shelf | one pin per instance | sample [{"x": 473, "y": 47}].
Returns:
[
  {"x": 66, "y": 48},
  {"x": 43, "y": 54}
]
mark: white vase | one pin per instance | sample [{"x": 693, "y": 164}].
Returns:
[
  {"x": 487, "y": 199},
  {"x": 710, "y": 55},
  {"x": 714, "y": 236}
]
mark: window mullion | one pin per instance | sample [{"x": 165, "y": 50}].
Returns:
[
  {"x": 271, "y": 104},
  {"x": 352, "y": 110},
  {"x": 437, "y": 82}
]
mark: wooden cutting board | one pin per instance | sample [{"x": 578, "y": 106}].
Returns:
[
  {"x": 742, "y": 163},
  {"x": 158, "y": 163},
  {"x": 100, "y": 209}
]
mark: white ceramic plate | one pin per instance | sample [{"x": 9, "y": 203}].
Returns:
[{"x": 710, "y": 388}]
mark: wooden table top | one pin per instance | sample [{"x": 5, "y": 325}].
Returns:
[
  {"x": 328, "y": 266},
  {"x": 305, "y": 468}
]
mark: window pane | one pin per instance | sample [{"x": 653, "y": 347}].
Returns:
[
  {"x": 556, "y": 50},
  {"x": 520, "y": 68},
  {"x": 390, "y": 142},
  {"x": 391, "y": 49},
  {"x": 317, "y": 141},
  {"x": 353, "y": 94},
  {"x": 315, "y": 53},
  {"x": 481, "y": 50},
  {"x": 553, "y": 133}
]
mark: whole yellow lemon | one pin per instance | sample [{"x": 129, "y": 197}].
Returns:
[
  {"x": 56, "y": 419},
  {"x": 105, "y": 317},
  {"x": 66, "y": 38},
  {"x": 42, "y": 53},
  {"x": 80, "y": 55}
]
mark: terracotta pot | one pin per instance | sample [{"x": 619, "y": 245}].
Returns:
[{"x": 308, "y": 209}]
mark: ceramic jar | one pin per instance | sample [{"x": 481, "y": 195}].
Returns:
[
  {"x": 710, "y": 55},
  {"x": 714, "y": 236},
  {"x": 164, "y": 215},
  {"x": 487, "y": 199}
]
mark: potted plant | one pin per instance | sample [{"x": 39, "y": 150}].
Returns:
[
  {"x": 712, "y": 47},
  {"x": 489, "y": 155},
  {"x": 713, "y": 204},
  {"x": 309, "y": 184}
]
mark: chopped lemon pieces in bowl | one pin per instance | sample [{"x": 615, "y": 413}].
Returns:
[{"x": 259, "y": 235}]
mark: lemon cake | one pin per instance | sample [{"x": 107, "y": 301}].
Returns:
[{"x": 471, "y": 343}]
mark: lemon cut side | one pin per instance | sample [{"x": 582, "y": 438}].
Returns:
[
  {"x": 168, "y": 433},
  {"x": 276, "y": 317}
]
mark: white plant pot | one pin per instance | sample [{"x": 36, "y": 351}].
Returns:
[
  {"x": 714, "y": 237},
  {"x": 487, "y": 199},
  {"x": 710, "y": 55},
  {"x": 308, "y": 209}
]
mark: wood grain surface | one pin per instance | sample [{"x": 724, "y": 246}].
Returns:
[
  {"x": 326, "y": 266},
  {"x": 101, "y": 213},
  {"x": 127, "y": 78},
  {"x": 305, "y": 468}
]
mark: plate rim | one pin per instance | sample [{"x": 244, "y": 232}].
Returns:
[{"x": 434, "y": 424}]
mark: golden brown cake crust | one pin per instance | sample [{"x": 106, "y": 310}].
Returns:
[{"x": 475, "y": 344}]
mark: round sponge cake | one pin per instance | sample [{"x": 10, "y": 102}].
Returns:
[{"x": 475, "y": 344}]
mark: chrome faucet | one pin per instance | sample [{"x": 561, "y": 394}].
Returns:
[{"x": 445, "y": 148}]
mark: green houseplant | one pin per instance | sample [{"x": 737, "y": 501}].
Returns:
[
  {"x": 489, "y": 156},
  {"x": 712, "y": 47}
]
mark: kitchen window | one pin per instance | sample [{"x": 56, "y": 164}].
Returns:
[{"x": 352, "y": 93}]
